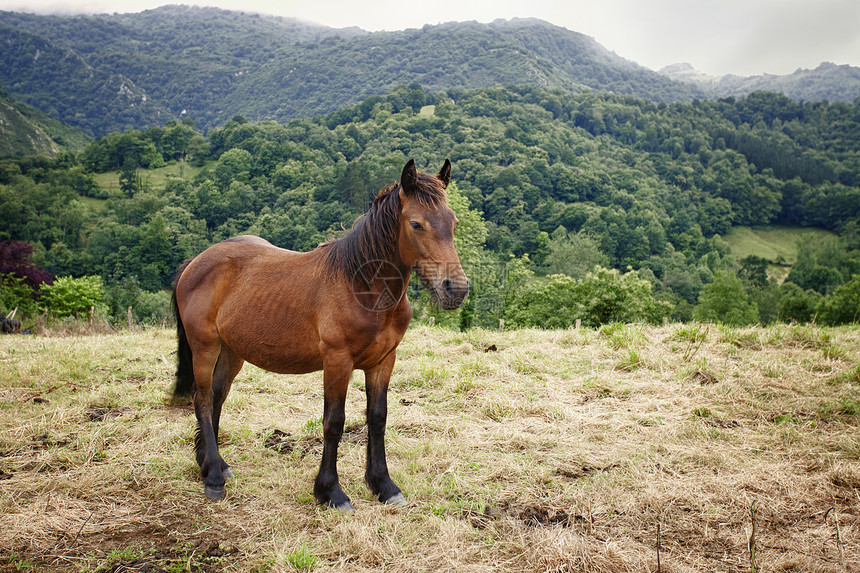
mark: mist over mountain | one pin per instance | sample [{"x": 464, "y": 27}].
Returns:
[{"x": 828, "y": 81}]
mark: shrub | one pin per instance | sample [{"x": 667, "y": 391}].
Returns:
[
  {"x": 16, "y": 293},
  {"x": 601, "y": 297},
  {"x": 70, "y": 296}
]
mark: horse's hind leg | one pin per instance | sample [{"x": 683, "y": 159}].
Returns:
[
  {"x": 228, "y": 366},
  {"x": 211, "y": 464}
]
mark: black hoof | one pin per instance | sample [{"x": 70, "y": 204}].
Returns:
[
  {"x": 215, "y": 493},
  {"x": 397, "y": 499}
]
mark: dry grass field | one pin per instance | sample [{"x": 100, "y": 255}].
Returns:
[{"x": 628, "y": 448}]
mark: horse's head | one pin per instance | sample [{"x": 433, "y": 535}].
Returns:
[{"x": 426, "y": 235}]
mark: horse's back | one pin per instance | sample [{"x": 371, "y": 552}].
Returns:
[
  {"x": 259, "y": 299},
  {"x": 248, "y": 240},
  {"x": 226, "y": 261}
]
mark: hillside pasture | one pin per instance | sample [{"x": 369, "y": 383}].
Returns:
[
  {"x": 776, "y": 243},
  {"x": 627, "y": 448},
  {"x": 150, "y": 179},
  {"x": 772, "y": 242}
]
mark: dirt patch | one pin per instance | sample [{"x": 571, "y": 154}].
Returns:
[
  {"x": 100, "y": 414},
  {"x": 720, "y": 423},
  {"x": 539, "y": 516},
  {"x": 284, "y": 442},
  {"x": 578, "y": 472},
  {"x": 703, "y": 378},
  {"x": 355, "y": 434}
]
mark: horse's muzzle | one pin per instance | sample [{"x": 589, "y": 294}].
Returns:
[{"x": 450, "y": 294}]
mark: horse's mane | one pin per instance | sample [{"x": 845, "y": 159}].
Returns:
[{"x": 373, "y": 236}]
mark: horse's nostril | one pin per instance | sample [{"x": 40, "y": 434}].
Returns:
[{"x": 447, "y": 286}]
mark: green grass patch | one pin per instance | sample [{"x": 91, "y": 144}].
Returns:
[
  {"x": 94, "y": 205},
  {"x": 151, "y": 179},
  {"x": 777, "y": 244}
]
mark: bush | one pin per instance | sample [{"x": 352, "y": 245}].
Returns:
[
  {"x": 147, "y": 307},
  {"x": 154, "y": 308},
  {"x": 601, "y": 297},
  {"x": 72, "y": 297},
  {"x": 16, "y": 293},
  {"x": 550, "y": 302}
]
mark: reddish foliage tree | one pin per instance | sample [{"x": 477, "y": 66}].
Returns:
[{"x": 15, "y": 259}]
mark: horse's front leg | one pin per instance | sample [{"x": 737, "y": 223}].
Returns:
[
  {"x": 376, "y": 475},
  {"x": 336, "y": 375}
]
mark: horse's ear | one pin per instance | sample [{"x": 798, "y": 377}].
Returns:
[
  {"x": 445, "y": 173},
  {"x": 409, "y": 178}
]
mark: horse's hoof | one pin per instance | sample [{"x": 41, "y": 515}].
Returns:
[
  {"x": 216, "y": 493},
  {"x": 344, "y": 507},
  {"x": 398, "y": 500},
  {"x": 228, "y": 473}
]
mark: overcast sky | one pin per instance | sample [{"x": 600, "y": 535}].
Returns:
[{"x": 744, "y": 37}]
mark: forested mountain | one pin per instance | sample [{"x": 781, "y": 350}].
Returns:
[
  {"x": 113, "y": 72},
  {"x": 558, "y": 183},
  {"x": 19, "y": 135},
  {"x": 27, "y": 131},
  {"x": 826, "y": 82}
]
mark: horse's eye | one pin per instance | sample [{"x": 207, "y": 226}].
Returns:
[{"x": 417, "y": 226}]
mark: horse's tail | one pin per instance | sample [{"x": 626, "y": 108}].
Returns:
[{"x": 184, "y": 368}]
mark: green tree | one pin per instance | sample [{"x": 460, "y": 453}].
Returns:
[
  {"x": 602, "y": 296},
  {"x": 753, "y": 270},
  {"x": 573, "y": 254},
  {"x": 610, "y": 296},
  {"x": 550, "y": 302},
  {"x": 796, "y": 304},
  {"x": 233, "y": 165},
  {"x": 843, "y": 306},
  {"x": 725, "y": 301}
]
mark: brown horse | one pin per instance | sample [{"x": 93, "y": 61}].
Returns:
[{"x": 337, "y": 308}]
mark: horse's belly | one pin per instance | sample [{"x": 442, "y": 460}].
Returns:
[{"x": 277, "y": 356}]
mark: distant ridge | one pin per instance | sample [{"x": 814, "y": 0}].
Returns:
[
  {"x": 828, "y": 81},
  {"x": 27, "y": 131},
  {"x": 111, "y": 72}
]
